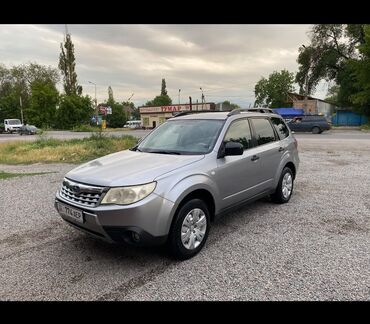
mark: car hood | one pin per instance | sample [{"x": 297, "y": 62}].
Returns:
[{"x": 129, "y": 168}]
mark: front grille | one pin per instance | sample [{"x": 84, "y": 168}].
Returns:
[{"x": 81, "y": 194}]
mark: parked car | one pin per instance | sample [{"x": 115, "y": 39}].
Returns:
[
  {"x": 11, "y": 125},
  {"x": 180, "y": 177},
  {"x": 28, "y": 130},
  {"x": 310, "y": 123}
]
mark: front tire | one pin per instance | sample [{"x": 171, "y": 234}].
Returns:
[
  {"x": 284, "y": 189},
  {"x": 189, "y": 230}
]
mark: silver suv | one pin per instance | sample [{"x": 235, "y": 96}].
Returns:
[{"x": 180, "y": 177}]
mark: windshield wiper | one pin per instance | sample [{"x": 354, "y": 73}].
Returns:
[{"x": 166, "y": 152}]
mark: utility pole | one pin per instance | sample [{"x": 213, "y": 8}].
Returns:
[
  {"x": 191, "y": 108},
  {"x": 20, "y": 103},
  {"x": 127, "y": 108},
  {"x": 96, "y": 103}
]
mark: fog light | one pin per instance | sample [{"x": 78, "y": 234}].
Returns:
[{"x": 135, "y": 237}]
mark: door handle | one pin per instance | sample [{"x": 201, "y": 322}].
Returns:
[
  {"x": 255, "y": 158},
  {"x": 281, "y": 149}
]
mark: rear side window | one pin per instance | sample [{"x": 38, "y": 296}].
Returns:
[
  {"x": 240, "y": 132},
  {"x": 263, "y": 129},
  {"x": 280, "y": 127}
]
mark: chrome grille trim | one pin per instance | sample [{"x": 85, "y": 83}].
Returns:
[{"x": 81, "y": 194}]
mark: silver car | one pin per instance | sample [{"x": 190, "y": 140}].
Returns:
[{"x": 181, "y": 177}]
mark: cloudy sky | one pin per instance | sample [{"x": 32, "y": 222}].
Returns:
[{"x": 225, "y": 60}]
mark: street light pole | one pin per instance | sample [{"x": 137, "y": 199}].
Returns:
[
  {"x": 202, "y": 98},
  {"x": 96, "y": 104},
  {"x": 306, "y": 86}
]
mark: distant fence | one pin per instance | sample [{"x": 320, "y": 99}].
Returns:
[{"x": 348, "y": 118}]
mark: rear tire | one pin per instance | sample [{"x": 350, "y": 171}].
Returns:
[
  {"x": 285, "y": 187},
  {"x": 189, "y": 230},
  {"x": 316, "y": 130}
]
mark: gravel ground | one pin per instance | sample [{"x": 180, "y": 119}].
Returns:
[{"x": 314, "y": 248}]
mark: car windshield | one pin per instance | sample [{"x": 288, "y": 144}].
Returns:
[
  {"x": 195, "y": 136},
  {"x": 14, "y": 121}
]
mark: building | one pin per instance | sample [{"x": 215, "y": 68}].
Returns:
[
  {"x": 312, "y": 105},
  {"x": 152, "y": 116}
]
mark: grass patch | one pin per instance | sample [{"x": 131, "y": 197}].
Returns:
[
  {"x": 86, "y": 128},
  {"x": 365, "y": 127},
  {"x": 48, "y": 150},
  {"x": 7, "y": 175}
]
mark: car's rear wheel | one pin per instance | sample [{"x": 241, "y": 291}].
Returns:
[
  {"x": 316, "y": 130},
  {"x": 284, "y": 189},
  {"x": 189, "y": 230}
]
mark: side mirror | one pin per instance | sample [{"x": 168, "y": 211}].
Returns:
[{"x": 230, "y": 148}]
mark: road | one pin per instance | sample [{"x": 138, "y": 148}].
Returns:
[
  {"x": 330, "y": 135},
  {"x": 65, "y": 135},
  {"x": 316, "y": 247}
]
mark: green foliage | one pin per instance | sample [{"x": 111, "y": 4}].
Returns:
[
  {"x": 273, "y": 92},
  {"x": 228, "y": 105},
  {"x": 361, "y": 70},
  {"x": 117, "y": 118},
  {"x": 18, "y": 81},
  {"x": 7, "y": 175},
  {"x": 67, "y": 65},
  {"x": 163, "y": 88},
  {"x": 85, "y": 128},
  {"x": 74, "y": 110},
  {"x": 338, "y": 53},
  {"x": 163, "y": 99},
  {"x": 110, "y": 96},
  {"x": 43, "y": 104}
]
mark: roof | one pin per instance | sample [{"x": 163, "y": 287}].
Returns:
[
  {"x": 301, "y": 97},
  {"x": 289, "y": 111}
]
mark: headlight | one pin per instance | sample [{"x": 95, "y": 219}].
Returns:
[{"x": 128, "y": 195}]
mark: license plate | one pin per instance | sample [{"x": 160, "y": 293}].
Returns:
[{"x": 68, "y": 211}]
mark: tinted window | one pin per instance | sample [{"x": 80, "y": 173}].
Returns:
[
  {"x": 239, "y": 131},
  {"x": 280, "y": 127},
  {"x": 264, "y": 132}
]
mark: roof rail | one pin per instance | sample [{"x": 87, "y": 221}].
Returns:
[
  {"x": 261, "y": 110},
  {"x": 187, "y": 112},
  {"x": 234, "y": 112}
]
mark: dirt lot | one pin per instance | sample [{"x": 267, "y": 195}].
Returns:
[{"x": 314, "y": 248}]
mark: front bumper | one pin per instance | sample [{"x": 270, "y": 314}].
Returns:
[{"x": 146, "y": 222}]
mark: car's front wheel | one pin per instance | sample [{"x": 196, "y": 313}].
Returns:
[
  {"x": 189, "y": 230},
  {"x": 284, "y": 189}
]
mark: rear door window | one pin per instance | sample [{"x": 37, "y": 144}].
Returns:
[
  {"x": 280, "y": 127},
  {"x": 264, "y": 132}
]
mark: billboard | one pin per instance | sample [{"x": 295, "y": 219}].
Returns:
[{"x": 175, "y": 108}]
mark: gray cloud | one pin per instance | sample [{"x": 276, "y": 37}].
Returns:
[{"x": 225, "y": 60}]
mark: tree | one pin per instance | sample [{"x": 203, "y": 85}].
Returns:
[
  {"x": 67, "y": 66},
  {"x": 273, "y": 92},
  {"x": 44, "y": 100},
  {"x": 110, "y": 96},
  {"x": 228, "y": 105},
  {"x": 74, "y": 110},
  {"x": 163, "y": 99},
  {"x": 118, "y": 117},
  {"x": 360, "y": 69},
  {"x": 17, "y": 82},
  {"x": 333, "y": 55},
  {"x": 163, "y": 89}
]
